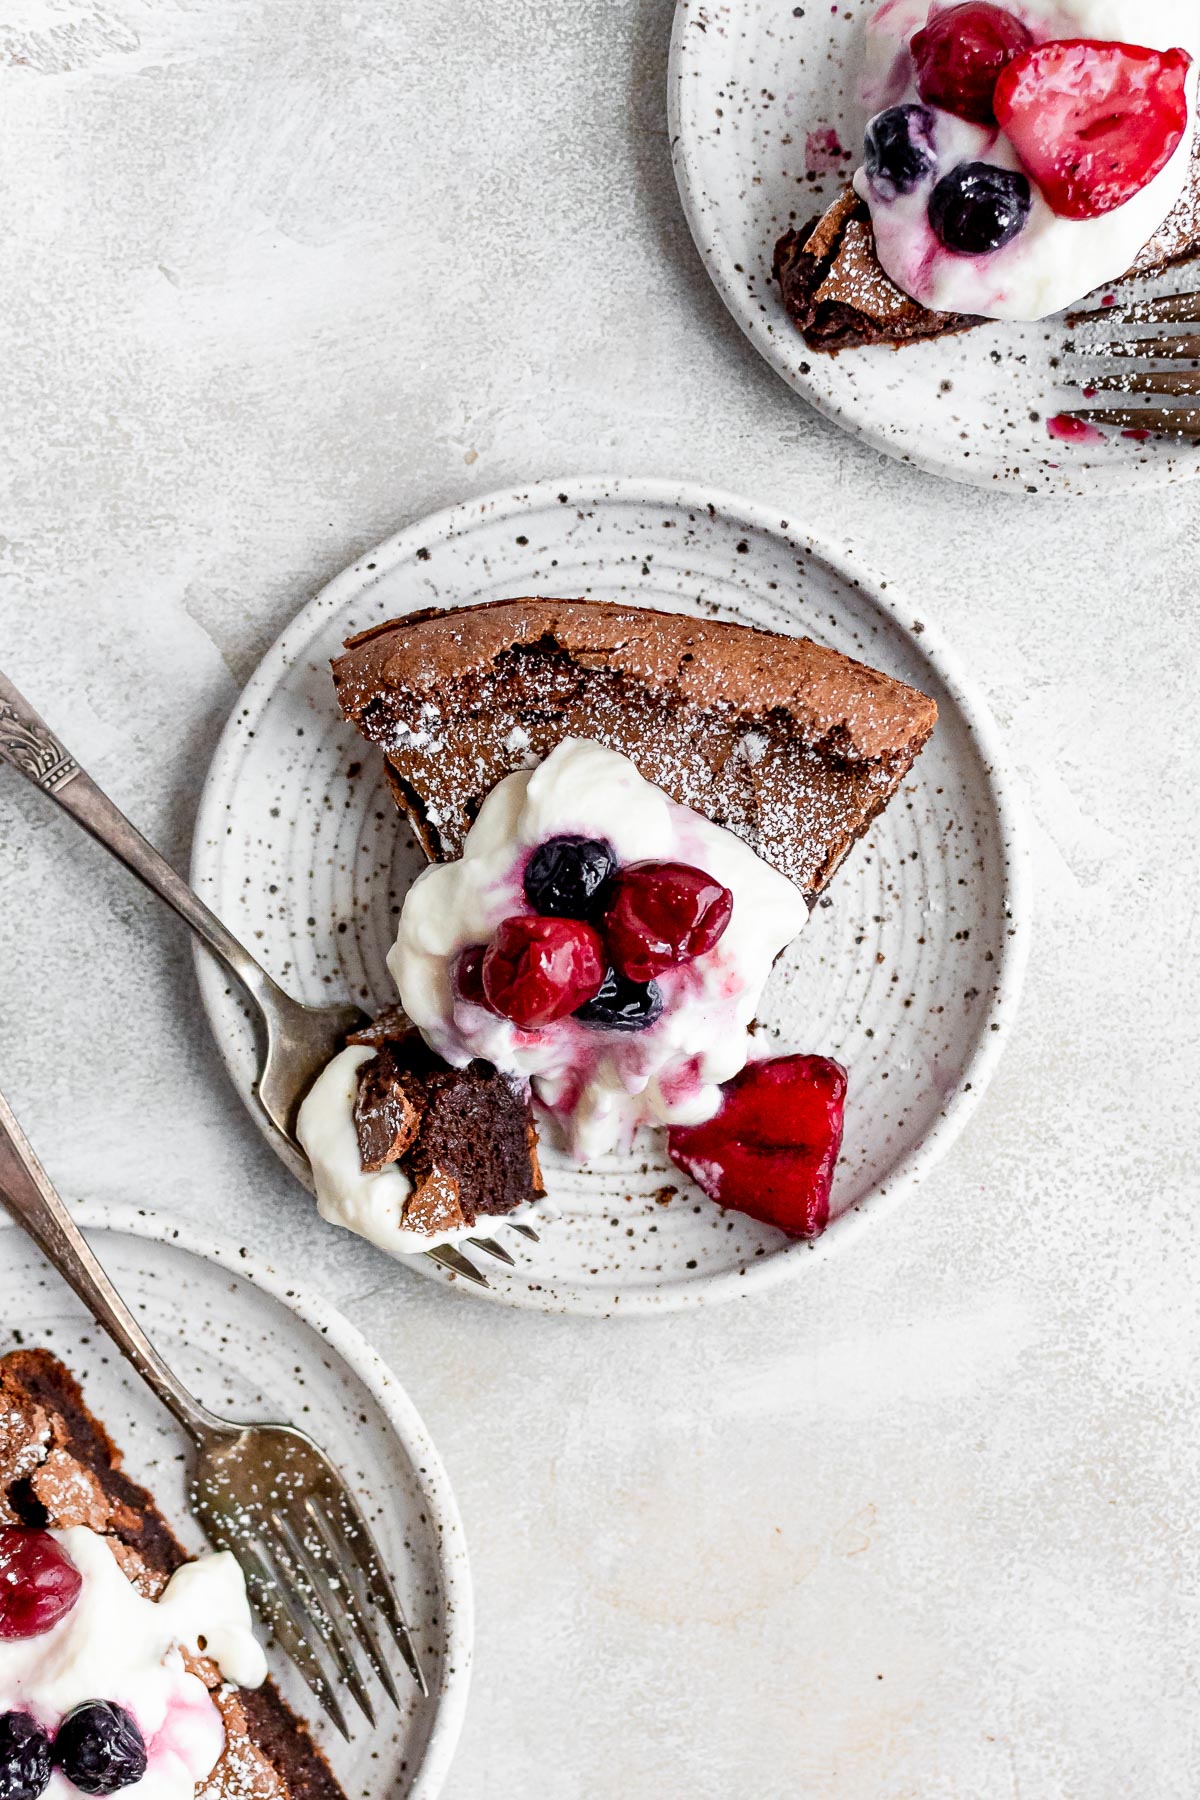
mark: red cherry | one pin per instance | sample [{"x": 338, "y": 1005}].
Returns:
[
  {"x": 663, "y": 913},
  {"x": 468, "y": 976},
  {"x": 959, "y": 55},
  {"x": 538, "y": 970},
  {"x": 771, "y": 1150},
  {"x": 39, "y": 1584},
  {"x": 1093, "y": 122}
]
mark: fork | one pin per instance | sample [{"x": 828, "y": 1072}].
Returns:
[
  {"x": 300, "y": 1040},
  {"x": 1179, "y": 350},
  {"x": 267, "y": 1493}
]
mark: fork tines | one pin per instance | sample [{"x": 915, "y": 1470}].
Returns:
[
  {"x": 313, "y": 1569},
  {"x": 1178, "y": 351},
  {"x": 1172, "y": 309},
  {"x": 452, "y": 1258}
]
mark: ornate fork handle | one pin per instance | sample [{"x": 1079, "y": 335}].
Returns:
[
  {"x": 28, "y": 1194},
  {"x": 29, "y": 745}
]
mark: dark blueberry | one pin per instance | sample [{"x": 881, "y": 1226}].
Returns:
[
  {"x": 99, "y": 1748},
  {"x": 623, "y": 1005},
  {"x": 24, "y": 1757},
  {"x": 568, "y": 877},
  {"x": 899, "y": 149},
  {"x": 977, "y": 207}
]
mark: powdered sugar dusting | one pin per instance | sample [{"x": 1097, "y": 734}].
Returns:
[{"x": 797, "y": 804}]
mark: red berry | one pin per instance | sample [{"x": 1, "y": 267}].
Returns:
[
  {"x": 538, "y": 970},
  {"x": 1093, "y": 122},
  {"x": 663, "y": 913},
  {"x": 468, "y": 976},
  {"x": 771, "y": 1150},
  {"x": 959, "y": 55},
  {"x": 39, "y": 1584}
]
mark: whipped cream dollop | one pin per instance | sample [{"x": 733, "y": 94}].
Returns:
[
  {"x": 1052, "y": 262},
  {"x": 370, "y": 1203},
  {"x": 597, "y": 1085},
  {"x": 116, "y": 1645}
]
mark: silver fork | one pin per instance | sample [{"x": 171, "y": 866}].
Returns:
[
  {"x": 1179, "y": 351},
  {"x": 299, "y": 1040},
  {"x": 267, "y": 1493}
]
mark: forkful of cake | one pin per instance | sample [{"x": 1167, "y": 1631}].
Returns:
[{"x": 296, "y": 1042}]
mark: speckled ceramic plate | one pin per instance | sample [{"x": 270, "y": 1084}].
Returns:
[
  {"x": 252, "y": 1344},
  {"x": 907, "y": 972},
  {"x": 765, "y": 128}
]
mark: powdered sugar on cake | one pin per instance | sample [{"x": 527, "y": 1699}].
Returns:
[{"x": 597, "y": 1085}]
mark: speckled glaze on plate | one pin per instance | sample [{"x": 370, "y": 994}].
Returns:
[
  {"x": 250, "y": 1343},
  {"x": 765, "y": 128},
  {"x": 908, "y": 971}
]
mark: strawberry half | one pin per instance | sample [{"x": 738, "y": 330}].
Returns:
[
  {"x": 771, "y": 1150},
  {"x": 1093, "y": 122}
]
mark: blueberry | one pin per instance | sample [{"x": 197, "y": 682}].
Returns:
[
  {"x": 568, "y": 877},
  {"x": 99, "y": 1748},
  {"x": 623, "y": 1005},
  {"x": 899, "y": 149},
  {"x": 24, "y": 1757},
  {"x": 977, "y": 207}
]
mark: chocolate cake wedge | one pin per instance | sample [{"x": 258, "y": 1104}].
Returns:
[
  {"x": 61, "y": 1472},
  {"x": 789, "y": 745},
  {"x": 839, "y": 298}
]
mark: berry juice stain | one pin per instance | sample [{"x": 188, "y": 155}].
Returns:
[
  {"x": 823, "y": 153},
  {"x": 1068, "y": 430}
]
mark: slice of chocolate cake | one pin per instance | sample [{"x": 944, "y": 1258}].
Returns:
[
  {"x": 791, "y": 746},
  {"x": 835, "y": 292},
  {"x": 59, "y": 1469},
  {"x": 839, "y": 298}
]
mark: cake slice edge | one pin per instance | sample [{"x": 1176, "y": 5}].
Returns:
[{"x": 793, "y": 746}]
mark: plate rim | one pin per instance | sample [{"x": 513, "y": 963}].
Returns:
[
  {"x": 403, "y": 1420},
  {"x": 1092, "y": 480},
  {"x": 376, "y": 564}
]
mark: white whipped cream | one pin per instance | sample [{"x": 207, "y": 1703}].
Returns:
[
  {"x": 369, "y": 1203},
  {"x": 597, "y": 1085},
  {"x": 1052, "y": 262},
  {"x": 116, "y": 1645}
]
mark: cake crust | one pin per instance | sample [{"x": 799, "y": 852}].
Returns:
[
  {"x": 60, "y": 1467},
  {"x": 788, "y": 744}
]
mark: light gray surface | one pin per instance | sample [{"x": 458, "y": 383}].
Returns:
[{"x": 280, "y": 276}]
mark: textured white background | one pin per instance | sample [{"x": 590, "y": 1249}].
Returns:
[{"x": 279, "y": 275}]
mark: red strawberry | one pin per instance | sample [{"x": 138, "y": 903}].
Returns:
[
  {"x": 1093, "y": 122},
  {"x": 959, "y": 54},
  {"x": 771, "y": 1150}
]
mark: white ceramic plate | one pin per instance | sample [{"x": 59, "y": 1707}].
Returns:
[
  {"x": 908, "y": 971},
  {"x": 765, "y": 128},
  {"x": 250, "y": 1343}
]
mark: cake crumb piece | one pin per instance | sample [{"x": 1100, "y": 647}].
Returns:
[
  {"x": 435, "y": 1206},
  {"x": 70, "y": 1493}
]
